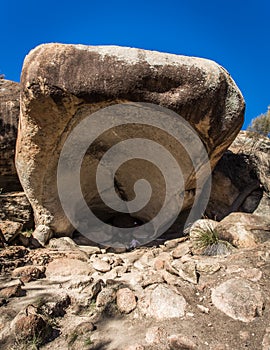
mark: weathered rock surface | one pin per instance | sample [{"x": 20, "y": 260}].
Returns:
[
  {"x": 266, "y": 340},
  {"x": 12, "y": 291},
  {"x": 162, "y": 303},
  {"x": 10, "y": 230},
  {"x": 16, "y": 207},
  {"x": 101, "y": 265},
  {"x": 244, "y": 230},
  {"x": 238, "y": 299},
  {"x": 125, "y": 300},
  {"x": 240, "y": 181},
  {"x": 181, "y": 342},
  {"x": 9, "y": 117},
  {"x": 12, "y": 257},
  {"x": 34, "y": 328},
  {"x": 29, "y": 273},
  {"x": 67, "y": 267},
  {"x": 61, "y": 84}
]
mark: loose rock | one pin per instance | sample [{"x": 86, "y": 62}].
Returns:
[
  {"x": 156, "y": 335},
  {"x": 161, "y": 302},
  {"x": 10, "y": 230},
  {"x": 12, "y": 292},
  {"x": 42, "y": 234},
  {"x": 181, "y": 342},
  {"x": 125, "y": 300},
  {"x": 238, "y": 299},
  {"x": 101, "y": 265},
  {"x": 33, "y": 326},
  {"x": 105, "y": 297}
]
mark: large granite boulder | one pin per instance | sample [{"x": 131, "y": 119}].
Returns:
[
  {"x": 64, "y": 84},
  {"x": 9, "y": 117}
]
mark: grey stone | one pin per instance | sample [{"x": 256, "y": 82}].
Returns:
[
  {"x": 42, "y": 234},
  {"x": 162, "y": 302},
  {"x": 239, "y": 299},
  {"x": 101, "y": 265}
]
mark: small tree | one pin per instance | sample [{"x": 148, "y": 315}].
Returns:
[{"x": 261, "y": 124}]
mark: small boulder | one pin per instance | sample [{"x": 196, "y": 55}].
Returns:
[
  {"x": 42, "y": 234},
  {"x": 181, "y": 250},
  {"x": 62, "y": 243},
  {"x": 162, "y": 302},
  {"x": 238, "y": 299},
  {"x": 33, "y": 326},
  {"x": 208, "y": 266},
  {"x": 181, "y": 342},
  {"x": 125, "y": 300},
  {"x": 186, "y": 270},
  {"x": 105, "y": 297},
  {"x": 101, "y": 265},
  {"x": 85, "y": 327},
  {"x": 152, "y": 277}
]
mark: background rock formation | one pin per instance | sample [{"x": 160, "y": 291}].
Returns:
[
  {"x": 14, "y": 204},
  {"x": 240, "y": 181},
  {"x": 9, "y": 116},
  {"x": 61, "y": 84}
]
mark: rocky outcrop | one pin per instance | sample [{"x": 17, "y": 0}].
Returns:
[
  {"x": 9, "y": 117},
  {"x": 16, "y": 207},
  {"x": 240, "y": 181},
  {"x": 62, "y": 84},
  {"x": 244, "y": 230}
]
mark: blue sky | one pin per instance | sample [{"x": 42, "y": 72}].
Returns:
[{"x": 234, "y": 33}]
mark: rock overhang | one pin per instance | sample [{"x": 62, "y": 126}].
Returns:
[{"x": 61, "y": 84}]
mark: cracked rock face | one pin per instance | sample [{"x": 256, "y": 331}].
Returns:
[{"x": 62, "y": 84}]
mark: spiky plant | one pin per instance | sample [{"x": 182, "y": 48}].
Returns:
[{"x": 207, "y": 241}]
